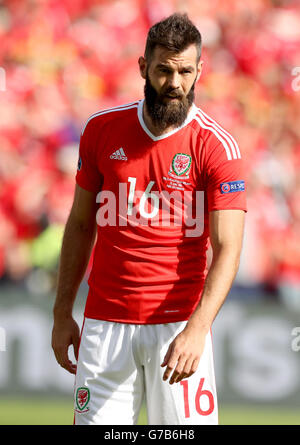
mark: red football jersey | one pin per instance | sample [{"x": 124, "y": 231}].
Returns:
[{"x": 155, "y": 194}]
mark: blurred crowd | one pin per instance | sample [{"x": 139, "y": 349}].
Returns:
[{"x": 61, "y": 61}]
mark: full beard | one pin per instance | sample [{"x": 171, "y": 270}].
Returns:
[{"x": 167, "y": 114}]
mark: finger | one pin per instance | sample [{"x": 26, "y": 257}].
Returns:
[
  {"x": 57, "y": 354},
  {"x": 186, "y": 372},
  {"x": 194, "y": 367},
  {"x": 76, "y": 341},
  {"x": 179, "y": 368},
  {"x": 61, "y": 354},
  {"x": 66, "y": 363},
  {"x": 167, "y": 356},
  {"x": 167, "y": 372},
  {"x": 70, "y": 367},
  {"x": 171, "y": 363}
]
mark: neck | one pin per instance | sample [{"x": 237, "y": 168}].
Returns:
[{"x": 155, "y": 130}]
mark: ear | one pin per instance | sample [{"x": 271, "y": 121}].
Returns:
[
  {"x": 143, "y": 66},
  {"x": 199, "y": 70}
]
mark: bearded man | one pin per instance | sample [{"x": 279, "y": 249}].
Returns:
[{"x": 151, "y": 301}]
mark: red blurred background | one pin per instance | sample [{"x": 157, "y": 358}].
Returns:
[{"x": 64, "y": 60}]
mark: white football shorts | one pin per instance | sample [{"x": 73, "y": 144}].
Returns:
[{"x": 119, "y": 364}]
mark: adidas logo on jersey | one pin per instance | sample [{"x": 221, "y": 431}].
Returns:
[{"x": 119, "y": 154}]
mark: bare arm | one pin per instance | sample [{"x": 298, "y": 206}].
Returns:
[
  {"x": 226, "y": 235},
  {"x": 78, "y": 240}
]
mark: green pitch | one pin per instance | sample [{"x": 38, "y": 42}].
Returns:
[{"x": 60, "y": 412}]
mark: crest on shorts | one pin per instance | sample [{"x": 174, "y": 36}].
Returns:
[
  {"x": 82, "y": 397},
  {"x": 181, "y": 163}
]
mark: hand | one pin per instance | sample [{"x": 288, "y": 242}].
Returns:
[
  {"x": 183, "y": 354},
  {"x": 65, "y": 333}
]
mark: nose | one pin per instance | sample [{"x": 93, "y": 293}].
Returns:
[{"x": 173, "y": 81}]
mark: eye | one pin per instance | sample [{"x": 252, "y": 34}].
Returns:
[{"x": 164, "y": 70}]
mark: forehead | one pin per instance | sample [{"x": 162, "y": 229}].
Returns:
[{"x": 186, "y": 57}]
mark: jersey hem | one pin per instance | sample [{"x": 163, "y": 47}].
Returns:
[
  {"x": 137, "y": 322},
  {"x": 228, "y": 208}
]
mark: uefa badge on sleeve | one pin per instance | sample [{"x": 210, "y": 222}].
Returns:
[
  {"x": 232, "y": 186},
  {"x": 82, "y": 399}
]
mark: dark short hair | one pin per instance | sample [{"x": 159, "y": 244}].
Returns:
[{"x": 174, "y": 33}]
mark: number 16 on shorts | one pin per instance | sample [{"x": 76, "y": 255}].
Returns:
[{"x": 202, "y": 400}]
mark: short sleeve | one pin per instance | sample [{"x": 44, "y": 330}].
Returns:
[
  {"x": 225, "y": 180},
  {"x": 88, "y": 176}
]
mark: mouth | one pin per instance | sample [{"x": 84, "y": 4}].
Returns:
[{"x": 170, "y": 97}]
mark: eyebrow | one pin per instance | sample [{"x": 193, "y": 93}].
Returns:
[{"x": 165, "y": 65}]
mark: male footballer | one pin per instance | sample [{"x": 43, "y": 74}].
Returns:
[{"x": 157, "y": 178}]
